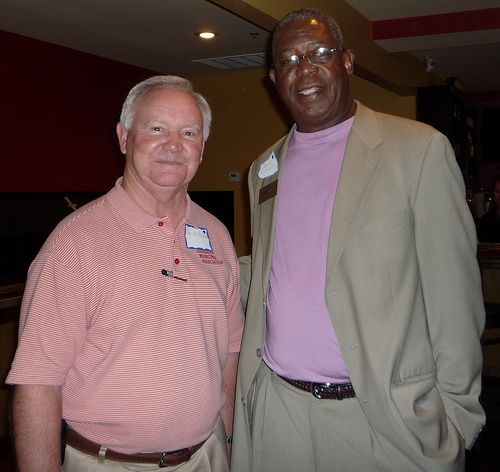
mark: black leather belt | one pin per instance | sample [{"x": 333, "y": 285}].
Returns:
[
  {"x": 163, "y": 459},
  {"x": 324, "y": 391}
]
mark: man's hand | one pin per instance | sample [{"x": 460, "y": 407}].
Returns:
[{"x": 230, "y": 387}]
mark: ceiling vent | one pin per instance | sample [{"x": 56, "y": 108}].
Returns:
[{"x": 235, "y": 62}]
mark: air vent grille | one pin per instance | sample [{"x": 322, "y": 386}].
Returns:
[{"x": 235, "y": 62}]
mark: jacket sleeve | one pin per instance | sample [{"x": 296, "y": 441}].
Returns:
[{"x": 449, "y": 273}]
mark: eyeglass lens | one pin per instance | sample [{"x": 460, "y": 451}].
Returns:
[{"x": 317, "y": 56}]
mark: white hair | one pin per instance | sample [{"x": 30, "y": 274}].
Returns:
[{"x": 167, "y": 81}]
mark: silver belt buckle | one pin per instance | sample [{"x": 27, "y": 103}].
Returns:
[
  {"x": 161, "y": 465},
  {"x": 317, "y": 389}
]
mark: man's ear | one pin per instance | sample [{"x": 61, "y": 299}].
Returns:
[
  {"x": 122, "y": 134},
  {"x": 272, "y": 74},
  {"x": 349, "y": 62},
  {"x": 202, "y": 150}
]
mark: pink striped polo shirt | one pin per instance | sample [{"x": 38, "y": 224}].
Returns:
[
  {"x": 300, "y": 340},
  {"x": 134, "y": 321}
]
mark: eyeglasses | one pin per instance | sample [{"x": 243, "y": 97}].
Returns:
[{"x": 318, "y": 56}]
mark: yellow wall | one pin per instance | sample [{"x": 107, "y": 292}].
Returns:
[
  {"x": 248, "y": 118},
  {"x": 382, "y": 100},
  {"x": 244, "y": 124}
]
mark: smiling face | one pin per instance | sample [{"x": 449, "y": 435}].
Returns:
[
  {"x": 317, "y": 96},
  {"x": 164, "y": 145}
]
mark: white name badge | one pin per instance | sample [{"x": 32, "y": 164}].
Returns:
[
  {"x": 197, "y": 238},
  {"x": 269, "y": 166}
]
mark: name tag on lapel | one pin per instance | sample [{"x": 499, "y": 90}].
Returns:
[
  {"x": 269, "y": 166},
  {"x": 268, "y": 191}
]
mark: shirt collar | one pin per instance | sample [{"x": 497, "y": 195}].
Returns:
[{"x": 138, "y": 218}]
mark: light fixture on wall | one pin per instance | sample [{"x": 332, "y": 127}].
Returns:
[
  {"x": 207, "y": 34},
  {"x": 429, "y": 63}
]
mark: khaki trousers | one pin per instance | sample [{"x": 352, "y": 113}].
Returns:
[
  {"x": 295, "y": 432},
  {"x": 211, "y": 457}
]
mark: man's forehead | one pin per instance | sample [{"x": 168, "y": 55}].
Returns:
[
  {"x": 310, "y": 24},
  {"x": 169, "y": 97},
  {"x": 302, "y": 28},
  {"x": 167, "y": 106}
]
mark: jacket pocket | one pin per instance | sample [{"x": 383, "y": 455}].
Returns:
[
  {"x": 422, "y": 411},
  {"x": 382, "y": 224}
]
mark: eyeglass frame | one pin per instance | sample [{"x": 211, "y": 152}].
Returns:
[{"x": 306, "y": 56}]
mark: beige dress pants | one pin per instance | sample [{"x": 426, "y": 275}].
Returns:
[
  {"x": 295, "y": 432},
  {"x": 211, "y": 457}
]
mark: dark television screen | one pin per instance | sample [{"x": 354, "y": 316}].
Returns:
[{"x": 490, "y": 135}]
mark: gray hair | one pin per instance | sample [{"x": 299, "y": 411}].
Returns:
[
  {"x": 167, "y": 81},
  {"x": 303, "y": 14}
]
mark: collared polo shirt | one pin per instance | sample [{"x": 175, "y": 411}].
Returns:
[{"x": 133, "y": 323}]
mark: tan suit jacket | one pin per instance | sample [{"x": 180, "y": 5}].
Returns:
[{"x": 402, "y": 287}]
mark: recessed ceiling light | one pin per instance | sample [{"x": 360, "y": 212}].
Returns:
[{"x": 206, "y": 34}]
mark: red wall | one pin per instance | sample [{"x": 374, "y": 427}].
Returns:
[{"x": 58, "y": 112}]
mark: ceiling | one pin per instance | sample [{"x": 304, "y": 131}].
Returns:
[
  {"x": 466, "y": 52},
  {"x": 154, "y": 34},
  {"x": 160, "y": 34}
]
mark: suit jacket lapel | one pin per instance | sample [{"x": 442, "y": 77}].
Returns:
[
  {"x": 268, "y": 210},
  {"x": 358, "y": 168}
]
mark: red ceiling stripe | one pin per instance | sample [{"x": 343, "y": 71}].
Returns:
[{"x": 457, "y": 22}]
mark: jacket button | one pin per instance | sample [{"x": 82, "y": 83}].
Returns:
[
  {"x": 244, "y": 402},
  {"x": 259, "y": 352}
]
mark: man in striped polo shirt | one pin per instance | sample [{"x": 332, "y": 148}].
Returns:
[{"x": 131, "y": 321}]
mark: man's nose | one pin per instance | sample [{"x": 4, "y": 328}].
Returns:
[
  {"x": 173, "y": 143},
  {"x": 306, "y": 66}
]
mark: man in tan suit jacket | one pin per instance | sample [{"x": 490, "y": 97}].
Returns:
[{"x": 402, "y": 288}]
